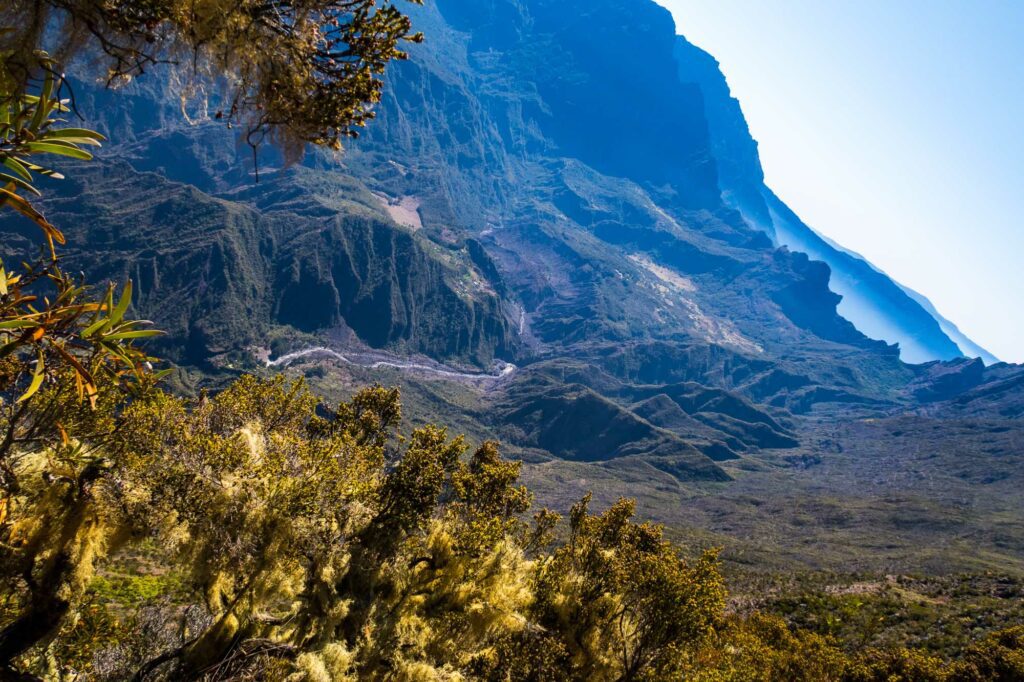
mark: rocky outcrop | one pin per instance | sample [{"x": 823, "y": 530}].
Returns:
[
  {"x": 388, "y": 289},
  {"x": 944, "y": 380}
]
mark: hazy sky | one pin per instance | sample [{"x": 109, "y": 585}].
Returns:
[{"x": 895, "y": 128}]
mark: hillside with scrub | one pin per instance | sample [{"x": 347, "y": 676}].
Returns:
[{"x": 495, "y": 394}]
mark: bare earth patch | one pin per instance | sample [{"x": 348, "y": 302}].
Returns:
[
  {"x": 673, "y": 279},
  {"x": 403, "y": 210}
]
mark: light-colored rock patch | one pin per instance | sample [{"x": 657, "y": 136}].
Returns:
[
  {"x": 675, "y": 288},
  {"x": 666, "y": 275},
  {"x": 403, "y": 210}
]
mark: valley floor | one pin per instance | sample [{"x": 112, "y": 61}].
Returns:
[{"x": 897, "y": 494}]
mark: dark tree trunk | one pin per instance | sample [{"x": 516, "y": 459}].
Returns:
[
  {"x": 43, "y": 617},
  {"x": 46, "y": 608}
]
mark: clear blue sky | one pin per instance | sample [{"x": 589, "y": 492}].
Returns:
[{"x": 895, "y": 128}]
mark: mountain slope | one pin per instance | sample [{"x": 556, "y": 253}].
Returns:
[
  {"x": 877, "y": 305},
  {"x": 588, "y": 206},
  {"x": 311, "y": 253},
  {"x": 526, "y": 193}
]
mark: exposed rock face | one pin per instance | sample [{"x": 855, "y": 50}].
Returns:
[
  {"x": 740, "y": 176},
  {"x": 942, "y": 381},
  {"x": 575, "y": 157},
  {"x": 216, "y": 273}
]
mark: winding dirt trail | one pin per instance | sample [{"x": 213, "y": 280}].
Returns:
[{"x": 504, "y": 370}]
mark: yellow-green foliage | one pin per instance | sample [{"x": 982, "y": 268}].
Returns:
[
  {"x": 282, "y": 539},
  {"x": 626, "y": 599},
  {"x": 314, "y": 530},
  {"x": 763, "y": 649}
]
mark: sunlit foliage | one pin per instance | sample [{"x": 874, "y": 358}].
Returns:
[
  {"x": 67, "y": 360},
  {"x": 48, "y": 321},
  {"x": 261, "y": 534},
  {"x": 305, "y": 71},
  {"x": 311, "y": 539}
]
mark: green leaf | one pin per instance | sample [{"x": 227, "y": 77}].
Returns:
[
  {"x": 17, "y": 167},
  {"x": 37, "y": 379},
  {"x": 9, "y": 198},
  {"x": 80, "y": 132},
  {"x": 71, "y": 140},
  {"x": 61, "y": 142},
  {"x": 122, "y": 305},
  {"x": 62, "y": 150},
  {"x": 116, "y": 350},
  {"x": 43, "y": 104},
  {"x": 137, "y": 334},
  {"x": 18, "y": 324},
  {"x": 20, "y": 183},
  {"x": 94, "y": 327}
]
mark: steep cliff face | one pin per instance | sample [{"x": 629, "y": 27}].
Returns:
[
  {"x": 740, "y": 176},
  {"x": 878, "y": 306},
  {"x": 561, "y": 136},
  {"x": 217, "y": 273}
]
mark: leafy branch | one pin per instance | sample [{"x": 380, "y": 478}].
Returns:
[{"x": 50, "y": 323}]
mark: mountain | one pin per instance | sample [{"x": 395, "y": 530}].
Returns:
[
  {"x": 556, "y": 232},
  {"x": 877, "y": 305},
  {"x": 969, "y": 347}
]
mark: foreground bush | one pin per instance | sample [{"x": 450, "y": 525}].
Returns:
[
  {"x": 259, "y": 534},
  {"x": 310, "y": 543}
]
